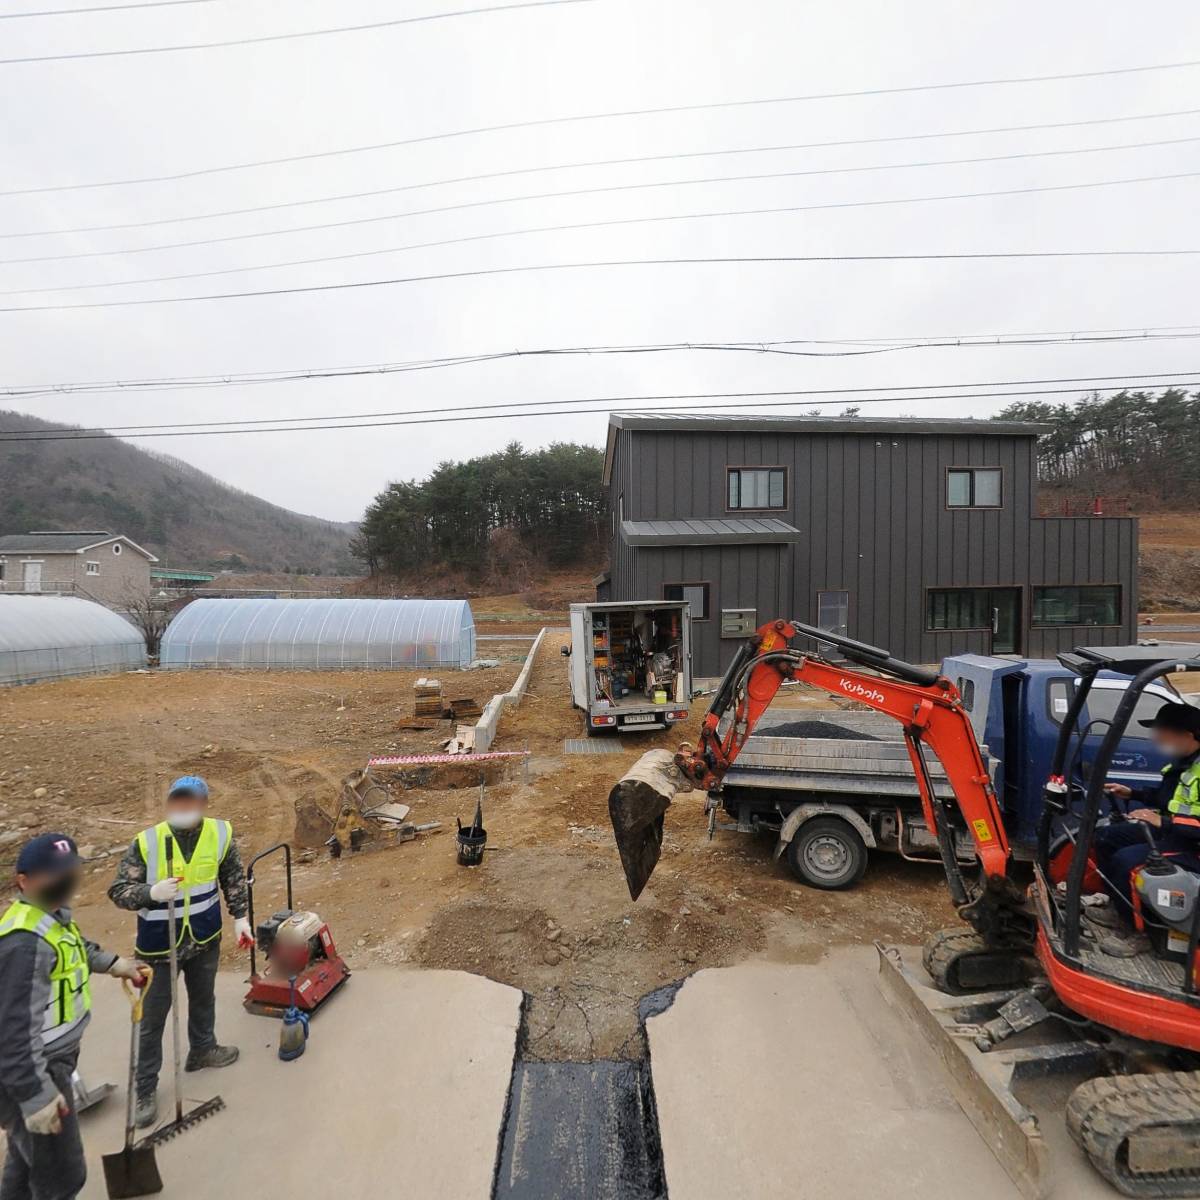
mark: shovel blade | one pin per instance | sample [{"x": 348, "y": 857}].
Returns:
[
  {"x": 637, "y": 806},
  {"x": 132, "y": 1172}
]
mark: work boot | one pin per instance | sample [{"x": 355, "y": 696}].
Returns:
[
  {"x": 1104, "y": 915},
  {"x": 1127, "y": 946},
  {"x": 145, "y": 1110},
  {"x": 214, "y": 1056}
]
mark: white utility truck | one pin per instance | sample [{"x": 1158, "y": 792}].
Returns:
[{"x": 631, "y": 663}]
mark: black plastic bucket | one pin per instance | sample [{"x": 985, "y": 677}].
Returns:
[{"x": 471, "y": 841}]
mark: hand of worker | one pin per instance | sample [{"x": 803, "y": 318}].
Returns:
[
  {"x": 131, "y": 969},
  {"x": 164, "y": 889},
  {"x": 241, "y": 929},
  {"x": 48, "y": 1120},
  {"x": 1119, "y": 790},
  {"x": 1150, "y": 816}
]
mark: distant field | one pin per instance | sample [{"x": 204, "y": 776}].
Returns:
[{"x": 1179, "y": 530}]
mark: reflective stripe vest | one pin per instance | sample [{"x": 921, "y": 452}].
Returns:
[
  {"x": 1186, "y": 800},
  {"x": 198, "y": 905},
  {"x": 70, "y": 994}
]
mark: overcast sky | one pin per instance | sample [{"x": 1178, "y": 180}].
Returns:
[{"x": 114, "y": 118}]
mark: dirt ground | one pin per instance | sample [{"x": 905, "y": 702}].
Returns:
[{"x": 547, "y": 911}]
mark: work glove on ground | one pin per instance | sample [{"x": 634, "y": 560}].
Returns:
[
  {"x": 48, "y": 1120},
  {"x": 241, "y": 930},
  {"x": 131, "y": 969},
  {"x": 164, "y": 889}
]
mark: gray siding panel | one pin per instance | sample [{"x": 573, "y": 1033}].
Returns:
[{"x": 873, "y": 521}]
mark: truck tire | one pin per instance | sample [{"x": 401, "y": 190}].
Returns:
[{"x": 827, "y": 853}]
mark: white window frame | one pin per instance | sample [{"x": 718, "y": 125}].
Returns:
[{"x": 88, "y": 566}]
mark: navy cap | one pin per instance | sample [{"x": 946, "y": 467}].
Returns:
[
  {"x": 48, "y": 853},
  {"x": 1183, "y": 718}
]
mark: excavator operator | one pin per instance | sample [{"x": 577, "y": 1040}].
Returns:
[{"x": 1172, "y": 808}]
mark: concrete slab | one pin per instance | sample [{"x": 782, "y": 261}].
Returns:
[
  {"x": 402, "y": 1090},
  {"x": 783, "y": 1081}
]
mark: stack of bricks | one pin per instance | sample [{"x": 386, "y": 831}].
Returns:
[{"x": 428, "y": 698}]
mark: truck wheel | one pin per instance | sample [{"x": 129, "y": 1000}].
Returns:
[{"x": 827, "y": 853}]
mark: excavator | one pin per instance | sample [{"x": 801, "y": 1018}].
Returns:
[{"x": 1025, "y": 956}]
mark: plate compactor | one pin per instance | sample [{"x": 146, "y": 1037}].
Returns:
[{"x": 298, "y": 949}]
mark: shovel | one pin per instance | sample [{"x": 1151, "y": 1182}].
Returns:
[{"x": 132, "y": 1171}]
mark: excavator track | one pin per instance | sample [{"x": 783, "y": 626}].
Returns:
[
  {"x": 1141, "y": 1132},
  {"x": 960, "y": 962}
]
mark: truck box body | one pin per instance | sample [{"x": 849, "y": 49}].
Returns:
[{"x": 631, "y": 663}]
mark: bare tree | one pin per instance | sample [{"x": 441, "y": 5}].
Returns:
[{"x": 151, "y": 614}]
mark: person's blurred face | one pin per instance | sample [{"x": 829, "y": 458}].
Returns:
[
  {"x": 1175, "y": 742},
  {"x": 185, "y": 810},
  {"x": 49, "y": 889}
]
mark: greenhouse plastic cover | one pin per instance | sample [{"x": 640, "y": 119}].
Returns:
[
  {"x": 52, "y": 637},
  {"x": 320, "y": 635}
]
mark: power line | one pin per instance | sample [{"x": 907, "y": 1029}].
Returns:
[
  {"x": 603, "y": 189},
  {"x": 288, "y": 37},
  {"x": 570, "y": 227},
  {"x": 782, "y": 347},
  {"x": 484, "y": 272},
  {"x": 469, "y": 412},
  {"x": 98, "y": 8},
  {"x": 603, "y": 116}
]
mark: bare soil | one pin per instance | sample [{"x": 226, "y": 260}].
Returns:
[{"x": 548, "y": 910}]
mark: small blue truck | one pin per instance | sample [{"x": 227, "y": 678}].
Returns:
[{"x": 832, "y": 785}]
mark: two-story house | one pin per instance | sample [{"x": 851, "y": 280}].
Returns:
[
  {"x": 919, "y": 535},
  {"x": 94, "y": 564}
]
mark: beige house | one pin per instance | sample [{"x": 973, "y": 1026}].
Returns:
[{"x": 94, "y": 564}]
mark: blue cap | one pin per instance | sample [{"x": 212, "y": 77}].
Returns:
[
  {"x": 189, "y": 785},
  {"x": 48, "y": 853}
]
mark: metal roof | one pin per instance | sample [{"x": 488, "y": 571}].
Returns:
[
  {"x": 708, "y": 531},
  {"x": 67, "y": 541},
  {"x": 768, "y": 423}
]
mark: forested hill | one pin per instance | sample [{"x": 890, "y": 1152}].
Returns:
[
  {"x": 186, "y": 517},
  {"x": 1142, "y": 445}
]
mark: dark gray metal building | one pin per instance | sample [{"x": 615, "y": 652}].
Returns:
[{"x": 918, "y": 535}]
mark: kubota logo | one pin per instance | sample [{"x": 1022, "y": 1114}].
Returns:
[{"x": 854, "y": 688}]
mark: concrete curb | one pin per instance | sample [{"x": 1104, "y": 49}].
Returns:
[{"x": 485, "y": 727}]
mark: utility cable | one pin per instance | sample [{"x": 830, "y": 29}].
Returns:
[
  {"x": 580, "y": 117},
  {"x": 98, "y": 8},
  {"x": 788, "y": 347},
  {"x": 499, "y": 235},
  {"x": 303, "y": 33},
  {"x": 412, "y": 418},
  {"x": 604, "y": 189},
  {"x": 486, "y": 272},
  {"x": 702, "y": 399}
]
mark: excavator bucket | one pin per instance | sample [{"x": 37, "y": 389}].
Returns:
[{"x": 637, "y": 805}]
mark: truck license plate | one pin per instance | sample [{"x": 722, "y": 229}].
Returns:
[{"x": 641, "y": 719}]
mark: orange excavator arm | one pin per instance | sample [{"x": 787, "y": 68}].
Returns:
[{"x": 930, "y": 713}]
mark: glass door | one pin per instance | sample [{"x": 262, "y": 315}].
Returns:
[{"x": 1004, "y": 610}]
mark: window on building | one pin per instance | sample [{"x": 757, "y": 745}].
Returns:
[
  {"x": 696, "y": 594},
  {"x": 116, "y": 547},
  {"x": 958, "y": 608},
  {"x": 92, "y": 568},
  {"x": 973, "y": 487},
  {"x": 757, "y": 487},
  {"x": 1099, "y": 605}
]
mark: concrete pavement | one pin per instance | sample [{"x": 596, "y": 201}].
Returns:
[
  {"x": 402, "y": 1091},
  {"x": 777, "y": 1082}
]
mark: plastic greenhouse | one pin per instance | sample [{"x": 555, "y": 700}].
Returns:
[
  {"x": 53, "y": 637},
  {"x": 320, "y": 635}
]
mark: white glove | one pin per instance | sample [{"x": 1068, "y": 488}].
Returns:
[
  {"x": 164, "y": 889},
  {"x": 129, "y": 968},
  {"x": 241, "y": 930},
  {"x": 48, "y": 1120}
]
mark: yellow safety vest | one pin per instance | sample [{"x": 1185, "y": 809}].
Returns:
[
  {"x": 70, "y": 993},
  {"x": 198, "y": 905},
  {"x": 1186, "y": 800}
]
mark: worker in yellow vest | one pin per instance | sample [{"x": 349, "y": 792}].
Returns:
[
  {"x": 45, "y": 1005},
  {"x": 204, "y": 863}
]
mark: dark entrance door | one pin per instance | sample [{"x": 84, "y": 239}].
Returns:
[{"x": 1004, "y": 612}]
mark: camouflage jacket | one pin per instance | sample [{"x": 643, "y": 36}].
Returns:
[{"x": 130, "y": 890}]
